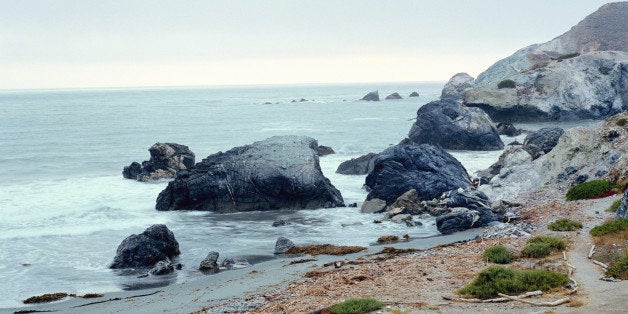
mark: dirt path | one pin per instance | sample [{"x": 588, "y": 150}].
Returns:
[{"x": 607, "y": 297}]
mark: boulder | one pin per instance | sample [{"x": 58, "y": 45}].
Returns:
[
  {"x": 408, "y": 202},
  {"x": 469, "y": 209},
  {"x": 456, "y": 87},
  {"x": 281, "y": 172},
  {"x": 373, "y": 206},
  {"x": 283, "y": 245},
  {"x": 210, "y": 263},
  {"x": 394, "y": 96},
  {"x": 165, "y": 160},
  {"x": 357, "y": 166},
  {"x": 622, "y": 210},
  {"x": 162, "y": 268},
  {"x": 156, "y": 243},
  {"x": 579, "y": 75},
  {"x": 414, "y": 94},
  {"x": 459, "y": 220},
  {"x": 507, "y": 230},
  {"x": 235, "y": 263},
  {"x": 454, "y": 126},
  {"x": 324, "y": 150},
  {"x": 427, "y": 169},
  {"x": 372, "y": 96},
  {"x": 541, "y": 142},
  {"x": 508, "y": 129},
  {"x": 280, "y": 222}
]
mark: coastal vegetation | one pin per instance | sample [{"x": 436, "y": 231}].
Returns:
[
  {"x": 500, "y": 279},
  {"x": 542, "y": 246},
  {"x": 590, "y": 190},
  {"x": 619, "y": 268},
  {"x": 617, "y": 227},
  {"x": 497, "y": 254},
  {"x": 356, "y": 306},
  {"x": 507, "y": 83},
  {"x": 614, "y": 206},
  {"x": 567, "y": 56},
  {"x": 622, "y": 122},
  {"x": 565, "y": 225}
]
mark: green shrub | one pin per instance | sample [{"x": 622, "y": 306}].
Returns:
[
  {"x": 614, "y": 206},
  {"x": 615, "y": 226},
  {"x": 622, "y": 122},
  {"x": 498, "y": 254},
  {"x": 499, "y": 279},
  {"x": 589, "y": 190},
  {"x": 604, "y": 70},
  {"x": 565, "y": 225},
  {"x": 542, "y": 246},
  {"x": 356, "y": 306},
  {"x": 553, "y": 242},
  {"x": 568, "y": 55},
  {"x": 618, "y": 268},
  {"x": 506, "y": 84}
]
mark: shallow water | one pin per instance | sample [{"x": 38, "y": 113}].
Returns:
[{"x": 65, "y": 206}]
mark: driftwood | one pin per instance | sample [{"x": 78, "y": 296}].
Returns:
[
  {"x": 591, "y": 251},
  {"x": 564, "y": 256},
  {"x": 600, "y": 264},
  {"x": 118, "y": 299},
  {"x": 496, "y": 300},
  {"x": 553, "y": 303}
]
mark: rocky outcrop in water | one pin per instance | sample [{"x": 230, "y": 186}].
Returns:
[
  {"x": 393, "y": 96},
  {"x": 372, "y": 96},
  {"x": 452, "y": 125},
  {"x": 508, "y": 129},
  {"x": 162, "y": 268},
  {"x": 580, "y": 74},
  {"x": 427, "y": 169},
  {"x": 155, "y": 244},
  {"x": 283, "y": 245},
  {"x": 373, "y": 206},
  {"x": 456, "y": 87},
  {"x": 414, "y": 94},
  {"x": 324, "y": 151},
  {"x": 622, "y": 210},
  {"x": 541, "y": 142},
  {"x": 597, "y": 151},
  {"x": 281, "y": 172},
  {"x": 357, "y": 166},
  {"x": 210, "y": 262},
  {"x": 165, "y": 160}
]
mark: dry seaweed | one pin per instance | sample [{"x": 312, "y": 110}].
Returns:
[
  {"x": 325, "y": 249},
  {"x": 44, "y": 298}
]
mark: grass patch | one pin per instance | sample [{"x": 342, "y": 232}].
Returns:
[
  {"x": 500, "y": 279},
  {"x": 614, "y": 206},
  {"x": 506, "y": 84},
  {"x": 356, "y": 306},
  {"x": 498, "y": 254},
  {"x": 590, "y": 190},
  {"x": 621, "y": 122},
  {"x": 618, "y": 268},
  {"x": 565, "y": 225},
  {"x": 567, "y": 56},
  {"x": 615, "y": 226},
  {"x": 542, "y": 246}
]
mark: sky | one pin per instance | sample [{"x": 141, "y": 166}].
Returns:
[{"x": 85, "y": 43}]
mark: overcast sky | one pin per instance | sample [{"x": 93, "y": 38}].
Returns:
[{"x": 85, "y": 43}]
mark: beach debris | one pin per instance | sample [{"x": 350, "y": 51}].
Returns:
[
  {"x": 553, "y": 303},
  {"x": 45, "y": 298},
  {"x": 591, "y": 251},
  {"x": 304, "y": 260},
  {"x": 495, "y": 300},
  {"x": 388, "y": 239},
  {"x": 325, "y": 249}
]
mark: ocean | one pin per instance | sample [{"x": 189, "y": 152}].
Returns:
[{"x": 65, "y": 206}]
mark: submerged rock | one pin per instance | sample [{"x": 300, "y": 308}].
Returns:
[
  {"x": 235, "y": 263},
  {"x": 357, "y": 166},
  {"x": 394, "y": 96},
  {"x": 162, "y": 268},
  {"x": 280, "y": 222},
  {"x": 372, "y": 96},
  {"x": 156, "y": 243},
  {"x": 373, "y": 206},
  {"x": 508, "y": 129},
  {"x": 542, "y": 141},
  {"x": 454, "y": 126},
  {"x": 283, "y": 245},
  {"x": 622, "y": 210},
  {"x": 210, "y": 263},
  {"x": 427, "y": 169},
  {"x": 165, "y": 160},
  {"x": 281, "y": 172}
]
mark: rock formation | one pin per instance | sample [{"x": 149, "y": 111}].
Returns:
[
  {"x": 414, "y": 94},
  {"x": 508, "y": 129},
  {"x": 427, "y": 169},
  {"x": 580, "y": 74},
  {"x": 281, "y": 172},
  {"x": 456, "y": 87},
  {"x": 155, "y": 244},
  {"x": 357, "y": 166},
  {"x": 622, "y": 210},
  {"x": 372, "y": 96},
  {"x": 394, "y": 96},
  {"x": 324, "y": 151},
  {"x": 165, "y": 160},
  {"x": 541, "y": 142},
  {"x": 454, "y": 126}
]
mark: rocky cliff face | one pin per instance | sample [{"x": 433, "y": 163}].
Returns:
[{"x": 580, "y": 74}]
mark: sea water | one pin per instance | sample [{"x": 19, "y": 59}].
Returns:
[{"x": 65, "y": 207}]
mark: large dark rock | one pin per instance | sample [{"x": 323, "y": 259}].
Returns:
[
  {"x": 210, "y": 262},
  {"x": 457, "y": 221},
  {"x": 471, "y": 209},
  {"x": 414, "y": 94},
  {"x": 372, "y": 96},
  {"x": 622, "y": 210},
  {"x": 451, "y": 125},
  {"x": 508, "y": 129},
  {"x": 281, "y": 172},
  {"x": 283, "y": 245},
  {"x": 165, "y": 160},
  {"x": 429, "y": 170},
  {"x": 157, "y": 243},
  {"x": 324, "y": 150},
  {"x": 357, "y": 166},
  {"x": 542, "y": 141},
  {"x": 394, "y": 96}
]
